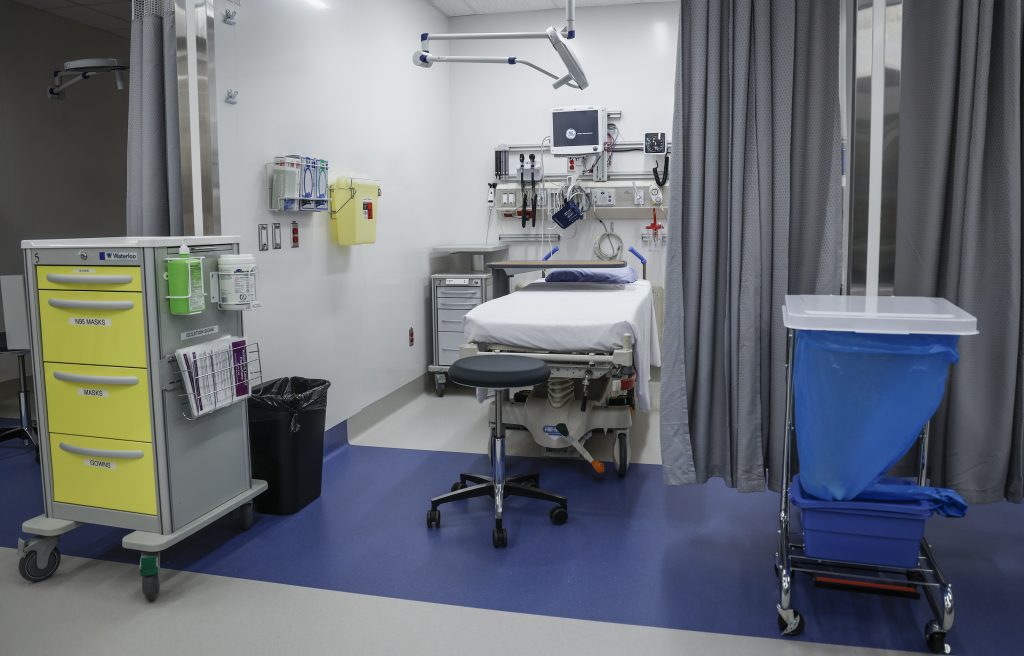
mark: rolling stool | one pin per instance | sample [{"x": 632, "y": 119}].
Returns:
[{"x": 499, "y": 373}]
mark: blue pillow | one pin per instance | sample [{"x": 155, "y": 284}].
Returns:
[{"x": 617, "y": 276}]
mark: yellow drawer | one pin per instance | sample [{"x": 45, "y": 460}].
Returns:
[
  {"x": 98, "y": 401},
  {"x": 102, "y": 473},
  {"x": 99, "y": 278},
  {"x": 93, "y": 328}
]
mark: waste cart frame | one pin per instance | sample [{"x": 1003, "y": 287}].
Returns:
[{"x": 926, "y": 577}]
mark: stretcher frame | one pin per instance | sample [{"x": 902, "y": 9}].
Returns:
[
  {"x": 790, "y": 558},
  {"x": 597, "y": 414}
]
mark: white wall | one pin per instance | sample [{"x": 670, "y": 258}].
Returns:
[
  {"x": 629, "y": 56},
  {"x": 338, "y": 82},
  {"x": 63, "y": 164}
]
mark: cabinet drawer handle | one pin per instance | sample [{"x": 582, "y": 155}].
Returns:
[
  {"x": 456, "y": 305},
  {"x": 95, "y": 380},
  {"x": 85, "y": 279},
  {"x": 450, "y": 349},
  {"x": 451, "y": 320},
  {"x": 67, "y": 304},
  {"x": 101, "y": 453}
]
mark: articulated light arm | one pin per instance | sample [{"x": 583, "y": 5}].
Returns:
[{"x": 575, "y": 78}]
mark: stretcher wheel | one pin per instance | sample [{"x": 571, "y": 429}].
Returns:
[
  {"x": 559, "y": 515},
  {"x": 433, "y": 518},
  {"x": 500, "y": 538},
  {"x": 936, "y": 638},
  {"x": 29, "y": 568},
  {"x": 151, "y": 587},
  {"x": 784, "y": 626},
  {"x": 246, "y": 515},
  {"x": 458, "y": 485},
  {"x": 439, "y": 388},
  {"x": 621, "y": 454}
]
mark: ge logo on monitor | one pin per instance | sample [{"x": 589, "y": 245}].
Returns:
[{"x": 570, "y": 134}]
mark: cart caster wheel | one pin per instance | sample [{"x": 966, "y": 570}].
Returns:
[
  {"x": 439, "y": 388},
  {"x": 796, "y": 630},
  {"x": 151, "y": 587},
  {"x": 29, "y": 568},
  {"x": 559, "y": 515},
  {"x": 936, "y": 638},
  {"x": 500, "y": 538},
  {"x": 433, "y": 518},
  {"x": 458, "y": 485},
  {"x": 246, "y": 515},
  {"x": 621, "y": 454}
]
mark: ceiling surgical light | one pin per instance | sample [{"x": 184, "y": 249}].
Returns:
[
  {"x": 82, "y": 69},
  {"x": 574, "y": 78}
]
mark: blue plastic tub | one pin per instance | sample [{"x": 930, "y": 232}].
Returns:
[{"x": 866, "y": 532}]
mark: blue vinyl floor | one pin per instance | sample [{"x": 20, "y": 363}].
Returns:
[{"x": 634, "y": 551}]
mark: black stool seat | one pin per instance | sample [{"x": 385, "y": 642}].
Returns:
[{"x": 499, "y": 371}]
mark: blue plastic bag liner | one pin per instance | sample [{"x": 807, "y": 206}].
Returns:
[
  {"x": 861, "y": 401},
  {"x": 860, "y": 531},
  {"x": 944, "y": 501}
]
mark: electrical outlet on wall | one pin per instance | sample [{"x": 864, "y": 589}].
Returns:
[{"x": 412, "y": 337}]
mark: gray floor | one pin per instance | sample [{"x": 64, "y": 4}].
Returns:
[{"x": 95, "y": 607}]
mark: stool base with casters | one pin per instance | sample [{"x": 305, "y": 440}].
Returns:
[{"x": 498, "y": 372}]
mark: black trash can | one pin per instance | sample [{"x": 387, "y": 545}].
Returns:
[{"x": 286, "y": 442}]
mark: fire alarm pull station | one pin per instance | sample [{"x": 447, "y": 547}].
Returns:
[{"x": 355, "y": 208}]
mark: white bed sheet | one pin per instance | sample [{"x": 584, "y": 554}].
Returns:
[{"x": 568, "y": 317}]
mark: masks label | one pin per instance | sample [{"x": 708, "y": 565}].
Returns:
[{"x": 90, "y": 321}]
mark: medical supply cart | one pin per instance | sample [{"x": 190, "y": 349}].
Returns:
[
  {"x": 452, "y": 295},
  {"x": 120, "y": 442},
  {"x": 875, "y": 316}
]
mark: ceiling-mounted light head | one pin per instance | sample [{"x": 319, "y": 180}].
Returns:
[
  {"x": 574, "y": 79},
  {"x": 572, "y": 64},
  {"x": 82, "y": 69}
]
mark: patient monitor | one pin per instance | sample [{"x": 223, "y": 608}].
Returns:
[{"x": 578, "y": 130}]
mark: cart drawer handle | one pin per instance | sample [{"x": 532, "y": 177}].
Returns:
[
  {"x": 101, "y": 453},
  {"x": 451, "y": 320},
  {"x": 449, "y": 349},
  {"x": 457, "y": 305},
  {"x": 64, "y": 303},
  {"x": 70, "y": 279},
  {"x": 95, "y": 380},
  {"x": 470, "y": 292}
]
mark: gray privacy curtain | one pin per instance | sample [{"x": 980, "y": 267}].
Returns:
[
  {"x": 154, "y": 152},
  {"x": 755, "y": 213},
  {"x": 959, "y": 226}
]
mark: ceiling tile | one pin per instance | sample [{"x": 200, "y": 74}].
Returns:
[
  {"x": 99, "y": 2},
  {"x": 45, "y": 4},
  {"x": 505, "y": 6},
  {"x": 121, "y": 9},
  {"x": 453, "y": 7},
  {"x": 90, "y": 17},
  {"x": 602, "y": 3}
]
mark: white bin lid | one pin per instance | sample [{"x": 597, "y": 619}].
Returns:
[{"x": 897, "y": 315}]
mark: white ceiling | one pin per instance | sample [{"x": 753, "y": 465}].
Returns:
[
  {"x": 108, "y": 15},
  {"x": 472, "y": 7}
]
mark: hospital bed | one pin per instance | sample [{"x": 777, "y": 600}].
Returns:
[{"x": 600, "y": 341}]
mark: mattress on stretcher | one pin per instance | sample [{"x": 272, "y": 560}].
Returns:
[{"x": 573, "y": 317}]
